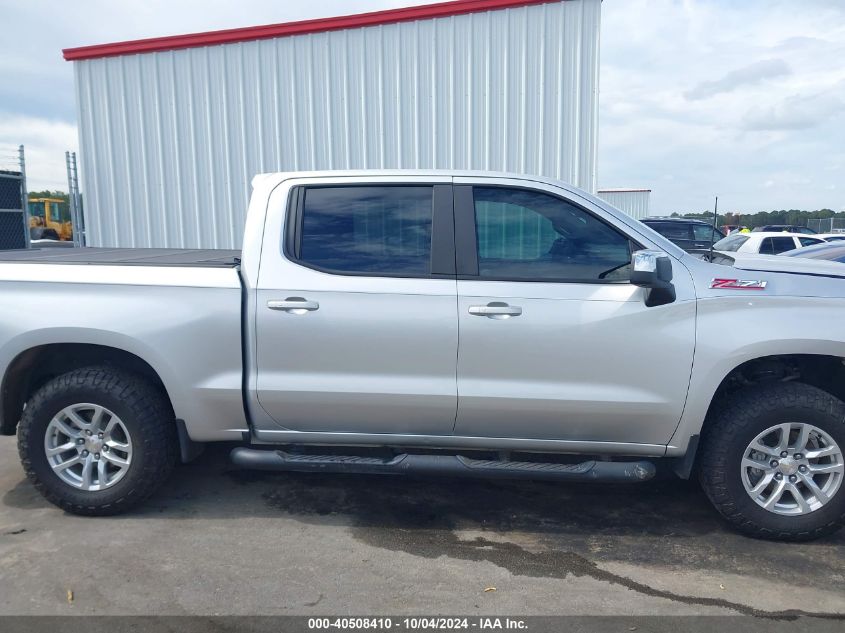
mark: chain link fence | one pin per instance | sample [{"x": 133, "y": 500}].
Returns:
[
  {"x": 11, "y": 210},
  {"x": 827, "y": 225},
  {"x": 13, "y": 220}
]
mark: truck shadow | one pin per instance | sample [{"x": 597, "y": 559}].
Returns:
[{"x": 532, "y": 528}]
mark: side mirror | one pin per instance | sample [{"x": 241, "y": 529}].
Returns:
[{"x": 653, "y": 270}]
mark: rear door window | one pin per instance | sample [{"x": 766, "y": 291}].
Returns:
[
  {"x": 675, "y": 231},
  {"x": 704, "y": 233},
  {"x": 775, "y": 245},
  {"x": 378, "y": 230}
]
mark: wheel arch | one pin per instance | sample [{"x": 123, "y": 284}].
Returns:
[
  {"x": 35, "y": 366},
  {"x": 825, "y": 371}
]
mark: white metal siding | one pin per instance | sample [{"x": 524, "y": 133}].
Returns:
[
  {"x": 170, "y": 140},
  {"x": 634, "y": 203}
]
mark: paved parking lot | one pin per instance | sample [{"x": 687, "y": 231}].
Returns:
[{"x": 219, "y": 541}]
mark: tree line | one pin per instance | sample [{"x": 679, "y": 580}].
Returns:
[
  {"x": 761, "y": 218},
  {"x": 61, "y": 195}
]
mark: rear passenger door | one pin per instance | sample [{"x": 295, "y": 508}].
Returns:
[
  {"x": 555, "y": 343},
  {"x": 356, "y": 324}
]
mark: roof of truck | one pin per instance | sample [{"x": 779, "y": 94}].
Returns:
[
  {"x": 656, "y": 218},
  {"x": 193, "y": 258}
]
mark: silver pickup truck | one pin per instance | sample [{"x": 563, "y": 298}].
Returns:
[{"x": 454, "y": 323}]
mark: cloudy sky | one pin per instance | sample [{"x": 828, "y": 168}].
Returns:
[{"x": 698, "y": 97}]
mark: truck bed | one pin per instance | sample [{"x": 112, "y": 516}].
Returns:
[{"x": 194, "y": 258}]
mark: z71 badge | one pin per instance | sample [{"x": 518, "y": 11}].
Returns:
[{"x": 738, "y": 284}]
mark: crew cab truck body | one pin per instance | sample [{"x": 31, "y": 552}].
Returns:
[{"x": 455, "y": 323}]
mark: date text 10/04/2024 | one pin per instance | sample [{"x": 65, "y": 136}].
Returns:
[{"x": 417, "y": 623}]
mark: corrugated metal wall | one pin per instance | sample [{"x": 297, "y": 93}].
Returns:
[
  {"x": 170, "y": 140},
  {"x": 633, "y": 202}
]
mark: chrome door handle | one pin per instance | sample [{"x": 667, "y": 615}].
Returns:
[
  {"x": 294, "y": 305},
  {"x": 496, "y": 310}
]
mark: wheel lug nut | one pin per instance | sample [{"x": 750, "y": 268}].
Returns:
[
  {"x": 802, "y": 469},
  {"x": 100, "y": 435},
  {"x": 85, "y": 453},
  {"x": 784, "y": 454},
  {"x": 778, "y": 476},
  {"x": 80, "y": 441},
  {"x": 793, "y": 478},
  {"x": 775, "y": 463},
  {"x": 87, "y": 432},
  {"x": 105, "y": 449},
  {"x": 798, "y": 456},
  {"x": 96, "y": 456}
]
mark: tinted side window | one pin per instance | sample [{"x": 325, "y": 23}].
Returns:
[
  {"x": 534, "y": 236},
  {"x": 775, "y": 245},
  {"x": 369, "y": 230},
  {"x": 704, "y": 233},
  {"x": 675, "y": 231},
  {"x": 809, "y": 241}
]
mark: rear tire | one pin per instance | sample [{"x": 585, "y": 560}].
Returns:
[
  {"x": 760, "y": 417},
  {"x": 118, "y": 429}
]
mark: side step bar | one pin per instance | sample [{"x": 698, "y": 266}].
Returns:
[{"x": 450, "y": 465}]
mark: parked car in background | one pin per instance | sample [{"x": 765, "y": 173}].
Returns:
[
  {"x": 831, "y": 237},
  {"x": 833, "y": 252},
  {"x": 772, "y": 243},
  {"x": 783, "y": 228},
  {"x": 689, "y": 234}
]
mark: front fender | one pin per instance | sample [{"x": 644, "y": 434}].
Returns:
[{"x": 733, "y": 330}]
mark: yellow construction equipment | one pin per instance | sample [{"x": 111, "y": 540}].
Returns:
[{"x": 49, "y": 219}]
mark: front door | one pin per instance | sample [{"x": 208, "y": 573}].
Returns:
[
  {"x": 356, "y": 322},
  {"x": 555, "y": 343}
]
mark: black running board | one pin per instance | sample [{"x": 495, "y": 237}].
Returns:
[{"x": 450, "y": 465}]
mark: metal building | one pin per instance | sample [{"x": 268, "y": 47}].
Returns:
[
  {"x": 173, "y": 129},
  {"x": 634, "y": 202}
]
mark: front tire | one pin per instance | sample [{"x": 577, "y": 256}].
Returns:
[
  {"x": 772, "y": 462},
  {"x": 98, "y": 441}
]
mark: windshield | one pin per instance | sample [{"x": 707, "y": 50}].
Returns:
[{"x": 730, "y": 243}]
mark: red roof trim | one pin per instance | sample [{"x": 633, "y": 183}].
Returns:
[{"x": 391, "y": 16}]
